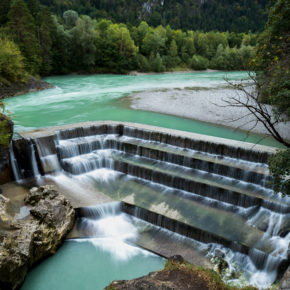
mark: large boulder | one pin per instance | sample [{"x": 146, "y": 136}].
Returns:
[{"x": 27, "y": 241}]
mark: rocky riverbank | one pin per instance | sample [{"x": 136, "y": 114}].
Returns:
[
  {"x": 177, "y": 274},
  {"x": 15, "y": 89},
  {"x": 33, "y": 234}
]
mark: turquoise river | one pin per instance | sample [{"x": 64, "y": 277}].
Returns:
[{"x": 82, "y": 98}]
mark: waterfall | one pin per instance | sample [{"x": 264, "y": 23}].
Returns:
[
  {"x": 34, "y": 165},
  {"x": 216, "y": 194},
  {"x": 114, "y": 228},
  {"x": 15, "y": 168}
]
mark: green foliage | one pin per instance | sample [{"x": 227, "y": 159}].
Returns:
[
  {"x": 4, "y": 9},
  {"x": 52, "y": 44},
  {"x": 272, "y": 61},
  {"x": 11, "y": 62},
  {"x": 115, "y": 49},
  {"x": 5, "y": 132},
  {"x": 22, "y": 26},
  {"x": 46, "y": 28},
  {"x": 83, "y": 38},
  {"x": 232, "y": 58},
  {"x": 199, "y": 62},
  {"x": 157, "y": 63},
  {"x": 143, "y": 63},
  {"x": 70, "y": 18},
  {"x": 279, "y": 165},
  {"x": 226, "y": 15}
]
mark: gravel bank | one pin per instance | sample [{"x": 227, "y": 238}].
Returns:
[{"x": 200, "y": 104}]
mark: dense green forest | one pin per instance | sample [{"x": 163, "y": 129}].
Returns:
[
  {"x": 206, "y": 15},
  {"x": 36, "y": 42}
]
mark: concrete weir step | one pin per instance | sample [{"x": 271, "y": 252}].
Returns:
[
  {"x": 191, "y": 180},
  {"x": 161, "y": 239},
  {"x": 246, "y": 171}
]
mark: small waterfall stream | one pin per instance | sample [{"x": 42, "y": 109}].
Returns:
[{"x": 219, "y": 195}]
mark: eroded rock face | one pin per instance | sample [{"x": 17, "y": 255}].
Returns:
[{"x": 25, "y": 242}]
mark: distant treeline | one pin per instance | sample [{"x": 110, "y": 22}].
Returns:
[{"x": 35, "y": 42}]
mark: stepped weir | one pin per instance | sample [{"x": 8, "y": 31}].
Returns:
[{"x": 211, "y": 190}]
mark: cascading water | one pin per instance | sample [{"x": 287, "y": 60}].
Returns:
[
  {"x": 14, "y": 164},
  {"x": 217, "y": 194}
]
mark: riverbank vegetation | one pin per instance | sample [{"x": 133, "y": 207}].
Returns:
[{"x": 36, "y": 42}]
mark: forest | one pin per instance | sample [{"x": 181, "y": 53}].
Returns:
[
  {"x": 34, "y": 41},
  {"x": 206, "y": 15}
]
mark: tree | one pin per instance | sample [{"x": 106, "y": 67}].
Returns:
[
  {"x": 70, "y": 18},
  {"x": 269, "y": 103},
  {"x": 272, "y": 61},
  {"x": 272, "y": 67},
  {"x": 279, "y": 165},
  {"x": 83, "y": 43},
  {"x": 250, "y": 98},
  {"x": 156, "y": 63},
  {"x": 199, "y": 62},
  {"x": 172, "y": 59},
  {"x": 11, "y": 63},
  {"x": 22, "y": 27},
  {"x": 154, "y": 41},
  {"x": 4, "y": 9},
  {"x": 115, "y": 47},
  {"x": 61, "y": 48},
  {"x": 45, "y": 28}
]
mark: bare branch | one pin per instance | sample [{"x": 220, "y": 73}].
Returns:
[{"x": 250, "y": 100}]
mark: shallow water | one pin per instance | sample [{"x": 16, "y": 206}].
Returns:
[{"x": 102, "y": 97}]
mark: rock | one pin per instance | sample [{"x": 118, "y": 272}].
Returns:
[
  {"x": 174, "y": 276},
  {"x": 51, "y": 218},
  {"x": 31, "y": 85},
  {"x": 177, "y": 258},
  {"x": 6, "y": 222},
  {"x": 285, "y": 281}
]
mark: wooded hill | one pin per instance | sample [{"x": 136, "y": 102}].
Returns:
[{"x": 206, "y": 15}]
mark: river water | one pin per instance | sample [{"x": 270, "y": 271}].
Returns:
[{"x": 104, "y": 97}]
